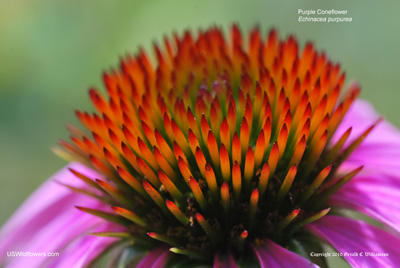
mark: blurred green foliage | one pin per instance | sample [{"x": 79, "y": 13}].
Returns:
[{"x": 51, "y": 52}]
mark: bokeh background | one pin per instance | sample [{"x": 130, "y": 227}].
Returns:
[{"x": 51, "y": 52}]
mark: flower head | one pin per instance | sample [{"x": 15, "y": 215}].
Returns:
[{"x": 224, "y": 152}]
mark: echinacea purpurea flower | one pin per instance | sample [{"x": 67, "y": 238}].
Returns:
[{"x": 226, "y": 154}]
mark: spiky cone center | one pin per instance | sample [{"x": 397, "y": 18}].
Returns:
[{"x": 222, "y": 144}]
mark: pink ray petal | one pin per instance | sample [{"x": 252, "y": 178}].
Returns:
[
  {"x": 271, "y": 255},
  {"x": 362, "y": 115},
  {"x": 375, "y": 190},
  {"x": 372, "y": 195},
  {"x": 83, "y": 249},
  {"x": 49, "y": 222},
  {"x": 379, "y": 153},
  {"x": 162, "y": 260},
  {"x": 376, "y": 157},
  {"x": 353, "y": 236},
  {"x": 381, "y": 148},
  {"x": 158, "y": 256}
]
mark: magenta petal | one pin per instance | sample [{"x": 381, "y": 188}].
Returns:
[
  {"x": 49, "y": 222},
  {"x": 156, "y": 258},
  {"x": 162, "y": 260},
  {"x": 271, "y": 255},
  {"x": 378, "y": 197},
  {"x": 224, "y": 261},
  {"x": 84, "y": 249},
  {"x": 381, "y": 148},
  {"x": 362, "y": 115},
  {"x": 352, "y": 236},
  {"x": 376, "y": 190}
]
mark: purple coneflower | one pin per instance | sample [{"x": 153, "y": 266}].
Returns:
[{"x": 226, "y": 154}]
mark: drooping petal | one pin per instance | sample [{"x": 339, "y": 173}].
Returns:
[
  {"x": 350, "y": 236},
  {"x": 49, "y": 222},
  {"x": 272, "y": 255}
]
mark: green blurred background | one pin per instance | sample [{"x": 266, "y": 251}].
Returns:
[{"x": 51, "y": 52}]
